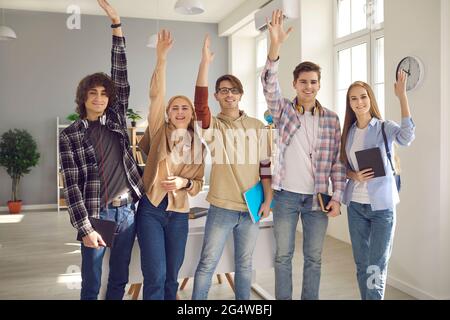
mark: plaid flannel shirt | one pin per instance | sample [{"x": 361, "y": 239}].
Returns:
[
  {"x": 327, "y": 160},
  {"x": 78, "y": 161}
]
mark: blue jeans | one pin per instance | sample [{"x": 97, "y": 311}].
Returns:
[
  {"x": 288, "y": 207},
  {"x": 91, "y": 259},
  {"x": 372, "y": 234},
  {"x": 219, "y": 224},
  {"x": 162, "y": 237}
]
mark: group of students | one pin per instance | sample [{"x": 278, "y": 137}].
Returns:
[{"x": 102, "y": 179}]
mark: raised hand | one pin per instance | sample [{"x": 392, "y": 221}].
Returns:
[
  {"x": 110, "y": 11},
  {"x": 276, "y": 29},
  {"x": 165, "y": 42},
  {"x": 207, "y": 55},
  {"x": 400, "y": 84}
]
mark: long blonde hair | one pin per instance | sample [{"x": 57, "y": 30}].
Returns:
[{"x": 350, "y": 116}]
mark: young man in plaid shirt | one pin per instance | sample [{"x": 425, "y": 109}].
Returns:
[
  {"x": 101, "y": 177},
  {"x": 308, "y": 157}
]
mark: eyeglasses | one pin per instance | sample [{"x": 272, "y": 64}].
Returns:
[{"x": 225, "y": 90}]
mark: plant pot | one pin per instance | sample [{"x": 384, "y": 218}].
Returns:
[
  {"x": 133, "y": 124},
  {"x": 15, "y": 206}
]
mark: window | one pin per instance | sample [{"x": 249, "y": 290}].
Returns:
[
  {"x": 359, "y": 48},
  {"x": 261, "y": 56}
]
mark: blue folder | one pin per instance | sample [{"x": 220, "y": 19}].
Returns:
[{"x": 254, "y": 197}]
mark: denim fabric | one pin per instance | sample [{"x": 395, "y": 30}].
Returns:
[
  {"x": 372, "y": 234},
  {"x": 219, "y": 224},
  {"x": 288, "y": 207},
  {"x": 162, "y": 237},
  {"x": 91, "y": 259}
]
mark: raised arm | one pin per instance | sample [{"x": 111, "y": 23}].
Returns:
[
  {"x": 202, "y": 110},
  {"x": 277, "y": 34},
  {"x": 119, "y": 72},
  {"x": 269, "y": 76},
  {"x": 158, "y": 83}
]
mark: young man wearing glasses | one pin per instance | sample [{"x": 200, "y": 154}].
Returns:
[{"x": 240, "y": 159}]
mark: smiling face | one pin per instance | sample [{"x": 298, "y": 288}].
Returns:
[
  {"x": 359, "y": 100},
  {"x": 96, "y": 102},
  {"x": 180, "y": 113},
  {"x": 307, "y": 86},
  {"x": 228, "y": 96}
]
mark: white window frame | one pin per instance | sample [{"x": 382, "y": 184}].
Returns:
[{"x": 368, "y": 35}]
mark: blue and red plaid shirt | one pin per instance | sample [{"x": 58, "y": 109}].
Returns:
[
  {"x": 77, "y": 154},
  {"x": 327, "y": 163}
]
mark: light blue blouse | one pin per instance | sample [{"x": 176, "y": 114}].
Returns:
[{"x": 383, "y": 192}]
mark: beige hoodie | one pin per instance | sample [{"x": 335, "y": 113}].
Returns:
[{"x": 237, "y": 147}]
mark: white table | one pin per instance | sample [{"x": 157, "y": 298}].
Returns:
[{"x": 263, "y": 256}]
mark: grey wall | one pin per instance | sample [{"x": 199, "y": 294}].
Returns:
[{"x": 41, "y": 70}]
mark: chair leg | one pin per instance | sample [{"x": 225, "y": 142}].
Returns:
[
  {"x": 219, "y": 278},
  {"x": 230, "y": 280},
  {"x": 183, "y": 284}
]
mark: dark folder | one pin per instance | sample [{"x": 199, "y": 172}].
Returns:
[
  {"x": 323, "y": 199},
  {"x": 106, "y": 228},
  {"x": 371, "y": 158}
]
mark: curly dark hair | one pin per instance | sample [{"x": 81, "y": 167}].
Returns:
[{"x": 89, "y": 82}]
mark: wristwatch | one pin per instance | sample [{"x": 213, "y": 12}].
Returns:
[{"x": 189, "y": 184}]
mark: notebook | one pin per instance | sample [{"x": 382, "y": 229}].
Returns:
[
  {"x": 106, "y": 228},
  {"x": 254, "y": 197},
  {"x": 371, "y": 158},
  {"x": 197, "y": 212}
]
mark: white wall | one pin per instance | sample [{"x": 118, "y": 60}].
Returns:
[
  {"x": 417, "y": 264},
  {"x": 445, "y": 148},
  {"x": 242, "y": 65}
]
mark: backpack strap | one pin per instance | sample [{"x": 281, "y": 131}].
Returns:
[{"x": 388, "y": 152}]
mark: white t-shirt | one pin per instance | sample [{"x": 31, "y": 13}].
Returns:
[
  {"x": 299, "y": 177},
  {"x": 360, "y": 193}
]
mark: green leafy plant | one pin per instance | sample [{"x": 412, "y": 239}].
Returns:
[
  {"x": 18, "y": 154},
  {"x": 133, "y": 115},
  {"x": 73, "y": 117}
]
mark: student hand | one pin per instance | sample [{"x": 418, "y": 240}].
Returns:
[
  {"x": 207, "y": 55},
  {"x": 361, "y": 176},
  {"x": 264, "y": 211},
  {"x": 174, "y": 183},
  {"x": 277, "y": 33},
  {"x": 110, "y": 11},
  {"x": 400, "y": 84},
  {"x": 334, "y": 207},
  {"x": 93, "y": 240},
  {"x": 165, "y": 42}
]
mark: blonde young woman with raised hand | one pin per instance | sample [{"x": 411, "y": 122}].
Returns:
[
  {"x": 174, "y": 169},
  {"x": 371, "y": 201}
]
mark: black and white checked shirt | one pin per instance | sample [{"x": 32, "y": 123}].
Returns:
[{"x": 78, "y": 161}]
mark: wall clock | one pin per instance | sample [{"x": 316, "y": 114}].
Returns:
[{"x": 414, "y": 70}]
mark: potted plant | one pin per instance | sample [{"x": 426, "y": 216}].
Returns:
[
  {"x": 133, "y": 116},
  {"x": 18, "y": 154},
  {"x": 73, "y": 117}
]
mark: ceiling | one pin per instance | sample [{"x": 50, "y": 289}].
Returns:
[{"x": 215, "y": 10}]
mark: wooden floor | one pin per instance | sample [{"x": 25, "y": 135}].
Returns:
[{"x": 39, "y": 259}]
